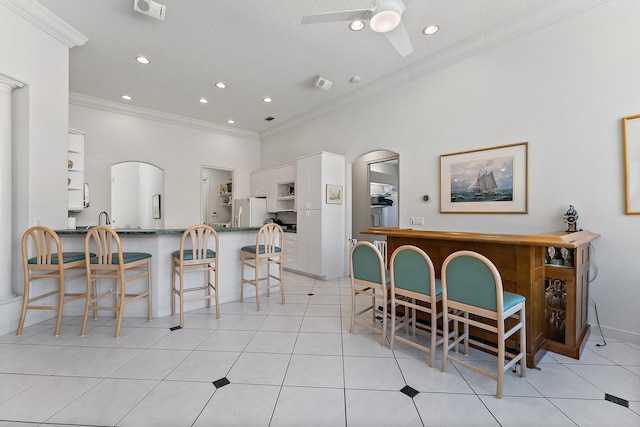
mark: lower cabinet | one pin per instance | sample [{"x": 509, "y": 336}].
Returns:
[
  {"x": 291, "y": 251},
  {"x": 566, "y": 298},
  {"x": 309, "y": 235}
]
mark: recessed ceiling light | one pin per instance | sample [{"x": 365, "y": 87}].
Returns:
[
  {"x": 431, "y": 29},
  {"x": 267, "y": 99},
  {"x": 221, "y": 85},
  {"x": 127, "y": 97},
  {"x": 356, "y": 25},
  {"x": 231, "y": 121},
  {"x": 143, "y": 60},
  {"x": 203, "y": 100}
]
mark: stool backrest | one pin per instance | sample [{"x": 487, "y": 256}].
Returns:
[
  {"x": 471, "y": 278},
  {"x": 41, "y": 246},
  {"x": 366, "y": 263},
  {"x": 107, "y": 245},
  {"x": 196, "y": 239},
  {"x": 270, "y": 239},
  {"x": 412, "y": 270}
]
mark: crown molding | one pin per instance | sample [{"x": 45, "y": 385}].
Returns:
[
  {"x": 9, "y": 82},
  {"x": 145, "y": 113},
  {"x": 508, "y": 31},
  {"x": 44, "y": 19}
]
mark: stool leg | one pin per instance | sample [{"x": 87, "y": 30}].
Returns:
[
  {"x": 150, "y": 290},
  {"x": 281, "y": 263},
  {"x": 173, "y": 286},
  {"x": 90, "y": 289},
  {"x": 120, "y": 305},
  {"x": 208, "y": 278},
  {"x": 60, "y": 303},
  {"x": 242, "y": 266},
  {"x": 256, "y": 266},
  {"x": 182, "y": 299},
  {"x": 215, "y": 288},
  {"x": 25, "y": 303}
]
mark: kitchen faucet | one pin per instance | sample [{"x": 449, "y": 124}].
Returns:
[{"x": 106, "y": 216}]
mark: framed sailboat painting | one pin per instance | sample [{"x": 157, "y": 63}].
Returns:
[{"x": 488, "y": 180}]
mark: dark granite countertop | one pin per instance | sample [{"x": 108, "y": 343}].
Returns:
[{"x": 81, "y": 231}]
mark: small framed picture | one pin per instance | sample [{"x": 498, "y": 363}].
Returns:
[
  {"x": 334, "y": 194},
  {"x": 155, "y": 206}
]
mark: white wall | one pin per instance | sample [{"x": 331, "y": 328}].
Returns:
[
  {"x": 40, "y": 119},
  {"x": 180, "y": 151},
  {"x": 564, "y": 89}
]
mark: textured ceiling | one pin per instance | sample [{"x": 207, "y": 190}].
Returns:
[{"x": 259, "y": 48}]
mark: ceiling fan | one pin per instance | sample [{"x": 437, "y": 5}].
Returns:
[{"x": 384, "y": 16}]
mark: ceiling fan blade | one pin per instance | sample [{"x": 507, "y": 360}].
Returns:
[
  {"x": 346, "y": 15},
  {"x": 399, "y": 38}
]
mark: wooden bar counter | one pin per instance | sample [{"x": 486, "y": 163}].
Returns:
[{"x": 553, "y": 280}]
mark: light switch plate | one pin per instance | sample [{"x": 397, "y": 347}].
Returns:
[{"x": 417, "y": 220}]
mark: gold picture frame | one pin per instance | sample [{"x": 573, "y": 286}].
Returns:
[
  {"x": 487, "y": 180},
  {"x": 631, "y": 136}
]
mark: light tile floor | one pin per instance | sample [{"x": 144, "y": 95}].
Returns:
[{"x": 290, "y": 365}]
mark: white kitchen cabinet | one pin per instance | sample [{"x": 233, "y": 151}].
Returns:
[
  {"x": 291, "y": 251},
  {"x": 258, "y": 183},
  {"x": 75, "y": 171},
  {"x": 266, "y": 183},
  {"x": 310, "y": 251},
  {"x": 321, "y": 226}
]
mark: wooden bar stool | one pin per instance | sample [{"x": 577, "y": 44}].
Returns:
[
  {"x": 368, "y": 278},
  {"x": 195, "y": 255},
  {"x": 415, "y": 288},
  {"x": 110, "y": 262},
  {"x": 471, "y": 285},
  {"x": 266, "y": 252},
  {"x": 40, "y": 261}
]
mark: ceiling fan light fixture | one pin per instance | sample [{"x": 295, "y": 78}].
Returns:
[
  {"x": 356, "y": 25},
  {"x": 385, "y": 21}
]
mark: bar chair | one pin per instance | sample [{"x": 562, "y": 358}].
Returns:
[
  {"x": 194, "y": 255},
  {"x": 110, "y": 262},
  {"x": 41, "y": 262},
  {"x": 471, "y": 285},
  {"x": 415, "y": 288},
  {"x": 266, "y": 252},
  {"x": 368, "y": 278}
]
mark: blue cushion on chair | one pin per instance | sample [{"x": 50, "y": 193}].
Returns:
[
  {"x": 127, "y": 257},
  {"x": 188, "y": 255},
  {"x": 66, "y": 257},
  {"x": 252, "y": 249},
  {"x": 510, "y": 299}
]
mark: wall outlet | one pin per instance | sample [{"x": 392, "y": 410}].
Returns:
[
  {"x": 417, "y": 220},
  {"x": 214, "y": 214}
]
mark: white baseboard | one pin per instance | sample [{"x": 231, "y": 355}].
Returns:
[{"x": 615, "y": 334}]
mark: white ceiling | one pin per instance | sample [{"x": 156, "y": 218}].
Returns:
[{"x": 259, "y": 48}]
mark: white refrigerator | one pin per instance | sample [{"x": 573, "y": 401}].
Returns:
[{"x": 250, "y": 212}]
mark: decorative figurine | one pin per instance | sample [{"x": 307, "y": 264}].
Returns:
[{"x": 571, "y": 218}]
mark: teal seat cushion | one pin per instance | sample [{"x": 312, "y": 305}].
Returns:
[
  {"x": 411, "y": 272},
  {"x": 127, "y": 257},
  {"x": 252, "y": 249},
  {"x": 188, "y": 254},
  {"x": 510, "y": 299},
  {"x": 66, "y": 258}
]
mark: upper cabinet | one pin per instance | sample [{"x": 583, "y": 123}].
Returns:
[
  {"x": 277, "y": 185},
  {"x": 314, "y": 172},
  {"x": 75, "y": 171}
]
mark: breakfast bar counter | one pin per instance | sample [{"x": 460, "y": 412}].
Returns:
[
  {"x": 161, "y": 243},
  {"x": 550, "y": 270}
]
